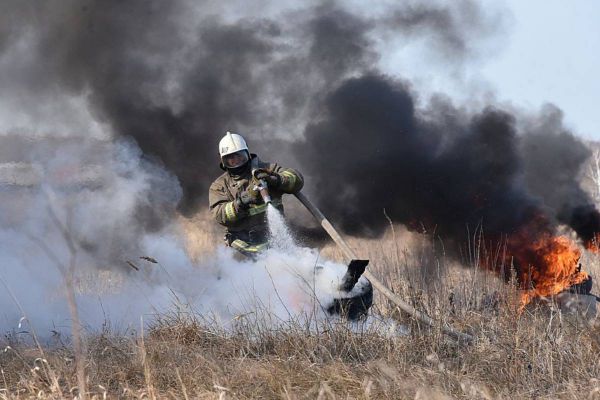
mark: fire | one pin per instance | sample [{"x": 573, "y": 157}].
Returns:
[
  {"x": 546, "y": 264},
  {"x": 593, "y": 244},
  {"x": 550, "y": 265}
]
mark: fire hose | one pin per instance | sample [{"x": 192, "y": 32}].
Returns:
[{"x": 350, "y": 255}]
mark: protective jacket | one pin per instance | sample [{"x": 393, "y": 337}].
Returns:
[{"x": 248, "y": 227}]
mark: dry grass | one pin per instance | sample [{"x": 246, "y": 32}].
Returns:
[{"x": 541, "y": 353}]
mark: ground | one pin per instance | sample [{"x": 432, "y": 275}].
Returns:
[{"x": 538, "y": 353}]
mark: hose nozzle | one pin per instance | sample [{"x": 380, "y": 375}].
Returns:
[{"x": 262, "y": 188}]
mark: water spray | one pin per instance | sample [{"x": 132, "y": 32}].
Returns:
[{"x": 357, "y": 299}]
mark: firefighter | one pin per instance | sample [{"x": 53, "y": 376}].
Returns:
[{"x": 235, "y": 201}]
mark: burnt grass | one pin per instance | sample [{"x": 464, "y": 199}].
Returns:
[{"x": 541, "y": 353}]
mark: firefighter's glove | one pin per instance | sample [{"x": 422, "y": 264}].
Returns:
[
  {"x": 245, "y": 198},
  {"x": 273, "y": 179}
]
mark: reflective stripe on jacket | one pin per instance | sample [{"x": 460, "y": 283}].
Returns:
[{"x": 224, "y": 189}]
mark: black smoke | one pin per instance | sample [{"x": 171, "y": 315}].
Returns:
[
  {"x": 442, "y": 169},
  {"x": 175, "y": 96},
  {"x": 175, "y": 75},
  {"x": 305, "y": 84},
  {"x": 373, "y": 152}
]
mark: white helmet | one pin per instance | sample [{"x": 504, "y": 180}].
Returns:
[
  {"x": 233, "y": 150},
  {"x": 232, "y": 143}
]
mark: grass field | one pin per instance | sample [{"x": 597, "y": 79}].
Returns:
[{"x": 540, "y": 353}]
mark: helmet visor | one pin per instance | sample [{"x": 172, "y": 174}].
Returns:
[{"x": 236, "y": 159}]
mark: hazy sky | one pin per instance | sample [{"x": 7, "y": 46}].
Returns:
[
  {"x": 546, "y": 51},
  {"x": 553, "y": 54}
]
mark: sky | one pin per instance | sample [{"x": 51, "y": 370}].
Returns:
[
  {"x": 553, "y": 55},
  {"x": 548, "y": 51}
]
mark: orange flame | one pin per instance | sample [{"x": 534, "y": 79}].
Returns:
[
  {"x": 593, "y": 244},
  {"x": 546, "y": 264},
  {"x": 550, "y": 266}
]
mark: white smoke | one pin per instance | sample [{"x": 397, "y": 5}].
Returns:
[{"x": 114, "y": 207}]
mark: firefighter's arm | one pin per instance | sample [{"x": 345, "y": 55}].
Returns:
[
  {"x": 291, "y": 180},
  {"x": 225, "y": 211}
]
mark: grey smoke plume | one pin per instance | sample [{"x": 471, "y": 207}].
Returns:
[
  {"x": 175, "y": 77},
  {"x": 80, "y": 202},
  {"x": 553, "y": 159}
]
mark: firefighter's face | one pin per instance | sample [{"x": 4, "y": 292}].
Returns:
[{"x": 236, "y": 159}]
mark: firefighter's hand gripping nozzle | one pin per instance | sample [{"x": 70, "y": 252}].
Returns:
[{"x": 261, "y": 186}]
